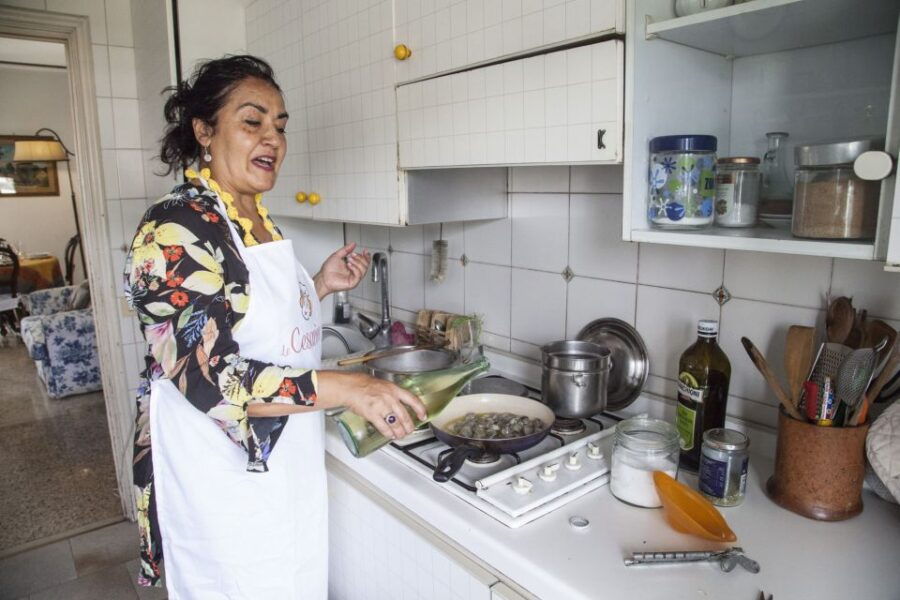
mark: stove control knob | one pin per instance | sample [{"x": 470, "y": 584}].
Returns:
[
  {"x": 522, "y": 485},
  {"x": 548, "y": 473},
  {"x": 573, "y": 463},
  {"x": 594, "y": 451}
]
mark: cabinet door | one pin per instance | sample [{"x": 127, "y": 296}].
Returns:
[
  {"x": 446, "y": 35},
  {"x": 890, "y": 190},
  {"x": 348, "y": 72},
  {"x": 559, "y": 107},
  {"x": 377, "y": 552}
]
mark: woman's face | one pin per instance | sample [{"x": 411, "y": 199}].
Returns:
[{"x": 247, "y": 143}]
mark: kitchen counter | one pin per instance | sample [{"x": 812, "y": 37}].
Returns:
[{"x": 800, "y": 558}]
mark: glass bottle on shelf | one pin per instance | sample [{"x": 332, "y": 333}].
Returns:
[
  {"x": 434, "y": 388},
  {"x": 777, "y": 188}
]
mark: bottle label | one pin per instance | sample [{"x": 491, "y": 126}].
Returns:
[
  {"x": 724, "y": 198},
  {"x": 691, "y": 393},
  {"x": 713, "y": 476},
  {"x": 685, "y": 418}
]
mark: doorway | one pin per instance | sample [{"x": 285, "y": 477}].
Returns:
[{"x": 75, "y": 451}]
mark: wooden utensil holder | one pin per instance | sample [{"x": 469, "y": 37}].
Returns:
[{"x": 818, "y": 470}]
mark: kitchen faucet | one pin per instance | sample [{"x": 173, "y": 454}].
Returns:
[{"x": 368, "y": 327}]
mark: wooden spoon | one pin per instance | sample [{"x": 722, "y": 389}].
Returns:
[
  {"x": 358, "y": 360},
  {"x": 855, "y": 338},
  {"x": 798, "y": 356},
  {"x": 763, "y": 366},
  {"x": 839, "y": 320}
]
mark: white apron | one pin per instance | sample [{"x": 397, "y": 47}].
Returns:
[{"x": 228, "y": 533}]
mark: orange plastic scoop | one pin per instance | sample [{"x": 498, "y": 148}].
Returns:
[{"x": 689, "y": 512}]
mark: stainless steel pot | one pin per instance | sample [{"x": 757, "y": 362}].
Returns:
[
  {"x": 574, "y": 378},
  {"x": 392, "y": 368}
]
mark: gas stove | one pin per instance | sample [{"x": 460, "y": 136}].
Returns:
[{"x": 516, "y": 489}]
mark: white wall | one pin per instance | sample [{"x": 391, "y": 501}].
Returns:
[
  {"x": 209, "y": 29},
  {"x": 571, "y": 217},
  {"x": 32, "y": 98}
]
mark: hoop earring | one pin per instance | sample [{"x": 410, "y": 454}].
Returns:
[{"x": 207, "y": 157}]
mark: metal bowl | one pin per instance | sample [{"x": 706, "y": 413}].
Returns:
[
  {"x": 420, "y": 360},
  {"x": 630, "y": 362}
]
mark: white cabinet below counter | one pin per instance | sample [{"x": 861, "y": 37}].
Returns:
[{"x": 559, "y": 107}]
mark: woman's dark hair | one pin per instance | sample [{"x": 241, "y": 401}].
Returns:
[{"x": 201, "y": 97}]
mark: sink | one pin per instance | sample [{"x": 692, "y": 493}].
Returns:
[{"x": 340, "y": 340}]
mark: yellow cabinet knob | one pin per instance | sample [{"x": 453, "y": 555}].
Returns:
[
  {"x": 314, "y": 198},
  {"x": 402, "y": 52},
  {"x": 300, "y": 197}
]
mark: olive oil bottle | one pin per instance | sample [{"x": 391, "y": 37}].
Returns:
[{"x": 703, "y": 376}]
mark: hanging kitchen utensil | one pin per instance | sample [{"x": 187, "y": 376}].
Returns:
[
  {"x": 798, "y": 356},
  {"x": 439, "y": 257},
  {"x": 760, "y": 362},
  {"x": 839, "y": 320},
  {"x": 854, "y": 376},
  {"x": 827, "y": 363},
  {"x": 877, "y": 329},
  {"x": 628, "y": 355}
]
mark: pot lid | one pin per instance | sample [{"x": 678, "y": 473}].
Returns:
[
  {"x": 630, "y": 362},
  {"x": 842, "y": 152}
]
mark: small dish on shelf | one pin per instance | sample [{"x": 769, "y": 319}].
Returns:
[{"x": 776, "y": 221}]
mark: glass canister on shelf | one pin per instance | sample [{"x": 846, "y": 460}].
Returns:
[
  {"x": 777, "y": 187},
  {"x": 682, "y": 181},
  {"x": 642, "y": 445},
  {"x": 723, "y": 466},
  {"x": 737, "y": 191},
  {"x": 830, "y": 201}
]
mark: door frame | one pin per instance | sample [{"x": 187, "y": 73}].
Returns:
[{"x": 74, "y": 32}]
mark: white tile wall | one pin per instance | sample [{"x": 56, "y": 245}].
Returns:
[{"x": 512, "y": 278}]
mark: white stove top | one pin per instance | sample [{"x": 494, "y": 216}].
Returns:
[{"x": 518, "y": 488}]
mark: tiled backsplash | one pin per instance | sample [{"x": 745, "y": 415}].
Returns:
[{"x": 571, "y": 217}]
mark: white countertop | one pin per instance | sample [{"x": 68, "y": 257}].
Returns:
[{"x": 800, "y": 558}]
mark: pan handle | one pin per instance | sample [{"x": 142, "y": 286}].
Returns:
[{"x": 452, "y": 462}]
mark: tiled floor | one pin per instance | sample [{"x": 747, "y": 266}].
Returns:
[
  {"x": 99, "y": 565},
  {"x": 56, "y": 473}
]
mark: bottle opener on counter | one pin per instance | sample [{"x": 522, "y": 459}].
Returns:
[{"x": 727, "y": 559}]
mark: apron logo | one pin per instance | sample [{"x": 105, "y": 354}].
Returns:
[
  {"x": 301, "y": 342},
  {"x": 306, "y": 306}
]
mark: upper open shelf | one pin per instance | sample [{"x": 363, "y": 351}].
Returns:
[{"x": 764, "y": 26}]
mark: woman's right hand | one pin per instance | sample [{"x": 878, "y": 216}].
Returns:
[{"x": 374, "y": 400}]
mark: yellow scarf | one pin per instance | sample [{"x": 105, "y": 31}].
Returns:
[{"x": 246, "y": 224}]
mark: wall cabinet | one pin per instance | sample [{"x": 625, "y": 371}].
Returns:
[
  {"x": 447, "y": 35},
  {"x": 558, "y": 107},
  {"x": 800, "y": 66}
]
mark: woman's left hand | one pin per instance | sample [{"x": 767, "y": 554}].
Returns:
[{"x": 341, "y": 271}]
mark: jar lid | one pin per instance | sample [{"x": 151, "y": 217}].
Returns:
[
  {"x": 739, "y": 160},
  {"x": 684, "y": 143},
  {"x": 708, "y": 327},
  {"x": 720, "y": 438},
  {"x": 572, "y": 355},
  {"x": 841, "y": 152}
]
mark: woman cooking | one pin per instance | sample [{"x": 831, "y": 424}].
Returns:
[{"x": 232, "y": 489}]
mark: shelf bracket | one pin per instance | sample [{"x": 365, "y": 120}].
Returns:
[{"x": 648, "y": 20}]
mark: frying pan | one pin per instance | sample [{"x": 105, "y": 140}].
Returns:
[{"x": 464, "y": 447}]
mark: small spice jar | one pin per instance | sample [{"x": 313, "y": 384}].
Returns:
[
  {"x": 737, "y": 191},
  {"x": 723, "y": 466},
  {"x": 642, "y": 445},
  {"x": 830, "y": 201},
  {"x": 682, "y": 181}
]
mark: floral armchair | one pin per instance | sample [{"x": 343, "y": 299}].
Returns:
[{"x": 61, "y": 342}]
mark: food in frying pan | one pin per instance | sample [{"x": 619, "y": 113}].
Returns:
[{"x": 494, "y": 426}]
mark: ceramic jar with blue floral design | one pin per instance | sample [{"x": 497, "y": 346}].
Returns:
[{"x": 682, "y": 181}]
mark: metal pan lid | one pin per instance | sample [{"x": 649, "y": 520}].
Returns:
[
  {"x": 573, "y": 355},
  {"x": 630, "y": 361}
]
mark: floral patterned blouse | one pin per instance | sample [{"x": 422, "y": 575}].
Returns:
[{"x": 186, "y": 281}]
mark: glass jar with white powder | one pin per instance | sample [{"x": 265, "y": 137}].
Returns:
[{"x": 642, "y": 445}]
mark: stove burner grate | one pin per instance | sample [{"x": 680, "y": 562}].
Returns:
[{"x": 568, "y": 426}]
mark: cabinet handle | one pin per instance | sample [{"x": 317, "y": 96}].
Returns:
[
  {"x": 314, "y": 198},
  {"x": 600, "y": 134},
  {"x": 402, "y": 52},
  {"x": 301, "y": 197}
]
